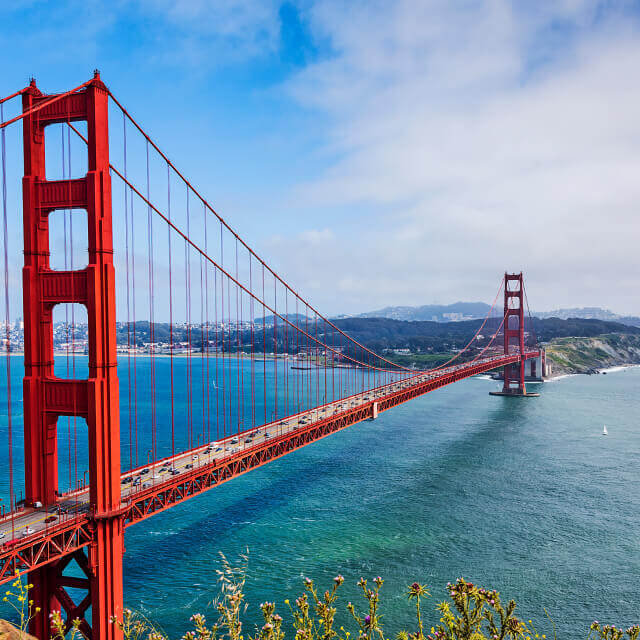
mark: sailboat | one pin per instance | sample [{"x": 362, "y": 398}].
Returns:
[{"x": 604, "y": 431}]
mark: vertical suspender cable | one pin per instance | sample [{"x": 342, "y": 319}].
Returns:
[
  {"x": 73, "y": 307},
  {"x": 173, "y": 421},
  {"x": 229, "y": 343},
  {"x": 187, "y": 295},
  {"x": 275, "y": 347},
  {"x": 206, "y": 302},
  {"x": 151, "y": 314},
  {"x": 240, "y": 405},
  {"x": 224, "y": 375},
  {"x": 264, "y": 351},
  {"x": 135, "y": 344},
  {"x": 253, "y": 366},
  {"x": 126, "y": 240},
  {"x": 295, "y": 347},
  {"x": 215, "y": 335},
  {"x": 286, "y": 353},
  {"x": 7, "y": 317},
  {"x": 317, "y": 367},
  {"x": 202, "y": 355},
  {"x": 308, "y": 356},
  {"x": 65, "y": 215},
  {"x": 187, "y": 252}
]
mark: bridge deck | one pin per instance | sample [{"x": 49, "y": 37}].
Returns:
[{"x": 33, "y": 537}]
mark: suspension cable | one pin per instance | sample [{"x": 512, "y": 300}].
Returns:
[
  {"x": 5, "y": 231},
  {"x": 42, "y": 105},
  {"x": 475, "y": 335},
  {"x": 13, "y": 95},
  {"x": 234, "y": 233}
]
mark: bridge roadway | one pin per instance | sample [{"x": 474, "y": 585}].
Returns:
[{"x": 33, "y": 537}]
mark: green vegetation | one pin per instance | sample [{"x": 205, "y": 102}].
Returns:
[
  {"x": 17, "y": 597},
  {"x": 379, "y": 334},
  {"x": 575, "y": 345},
  {"x": 470, "y": 612},
  {"x": 587, "y": 354}
]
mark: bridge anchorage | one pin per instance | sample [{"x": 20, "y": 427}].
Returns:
[{"x": 263, "y": 373}]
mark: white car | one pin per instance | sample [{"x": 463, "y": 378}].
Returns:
[
  {"x": 2, "y": 534},
  {"x": 27, "y": 531}
]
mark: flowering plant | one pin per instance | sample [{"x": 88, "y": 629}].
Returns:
[{"x": 471, "y": 612}]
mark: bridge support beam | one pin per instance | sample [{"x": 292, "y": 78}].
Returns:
[
  {"x": 95, "y": 399},
  {"x": 514, "y": 374}
]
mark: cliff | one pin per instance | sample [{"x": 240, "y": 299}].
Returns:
[{"x": 587, "y": 355}]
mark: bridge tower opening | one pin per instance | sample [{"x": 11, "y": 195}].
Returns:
[{"x": 47, "y": 397}]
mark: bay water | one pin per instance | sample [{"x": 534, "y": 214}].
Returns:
[{"x": 524, "y": 495}]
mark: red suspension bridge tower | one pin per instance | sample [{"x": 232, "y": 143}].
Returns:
[
  {"x": 47, "y": 397},
  {"x": 514, "y": 374}
]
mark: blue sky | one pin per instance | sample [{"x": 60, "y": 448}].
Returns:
[{"x": 383, "y": 152}]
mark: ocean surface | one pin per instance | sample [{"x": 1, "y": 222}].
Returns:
[{"x": 522, "y": 495}]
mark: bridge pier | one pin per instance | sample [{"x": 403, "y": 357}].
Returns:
[{"x": 514, "y": 374}]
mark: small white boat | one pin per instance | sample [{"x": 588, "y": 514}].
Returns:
[{"x": 604, "y": 431}]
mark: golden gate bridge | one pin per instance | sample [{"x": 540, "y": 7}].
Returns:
[{"x": 256, "y": 373}]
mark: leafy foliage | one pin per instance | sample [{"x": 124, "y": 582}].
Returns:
[{"x": 471, "y": 612}]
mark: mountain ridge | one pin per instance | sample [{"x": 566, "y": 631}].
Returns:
[{"x": 461, "y": 311}]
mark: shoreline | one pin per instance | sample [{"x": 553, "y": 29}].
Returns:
[
  {"x": 615, "y": 368},
  {"x": 604, "y": 371}
]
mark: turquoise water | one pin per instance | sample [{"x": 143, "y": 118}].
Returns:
[{"x": 523, "y": 495}]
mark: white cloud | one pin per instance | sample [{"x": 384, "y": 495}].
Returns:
[
  {"x": 208, "y": 32},
  {"x": 473, "y": 154}
]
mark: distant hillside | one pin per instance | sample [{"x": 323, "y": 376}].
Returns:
[
  {"x": 590, "y": 313},
  {"x": 295, "y": 318},
  {"x": 461, "y": 311},
  {"x": 428, "y": 337},
  {"x": 458, "y": 311},
  {"x": 632, "y": 321},
  {"x": 595, "y": 313}
]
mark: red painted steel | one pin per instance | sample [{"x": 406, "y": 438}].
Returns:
[
  {"x": 173, "y": 491},
  {"x": 510, "y": 333},
  {"x": 59, "y": 541},
  {"x": 45, "y": 548},
  {"x": 46, "y": 397}
]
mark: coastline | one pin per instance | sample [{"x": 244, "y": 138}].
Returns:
[
  {"x": 564, "y": 355},
  {"x": 604, "y": 371},
  {"x": 592, "y": 355}
]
